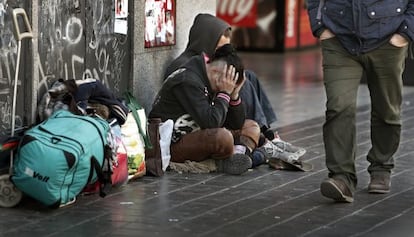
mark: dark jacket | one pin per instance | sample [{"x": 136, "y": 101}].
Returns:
[
  {"x": 187, "y": 98},
  {"x": 93, "y": 91},
  {"x": 362, "y": 25},
  {"x": 203, "y": 38},
  {"x": 204, "y": 35}
]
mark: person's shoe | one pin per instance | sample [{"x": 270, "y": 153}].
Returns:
[
  {"x": 337, "y": 190},
  {"x": 272, "y": 151},
  {"x": 380, "y": 183},
  {"x": 286, "y": 146},
  {"x": 235, "y": 164},
  {"x": 258, "y": 158}
]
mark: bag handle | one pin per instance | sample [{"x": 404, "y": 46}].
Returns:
[
  {"x": 104, "y": 178},
  {"x": 133, "y": 105}
]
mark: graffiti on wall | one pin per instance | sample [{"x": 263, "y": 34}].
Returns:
[
  {"x": 76, "y": 39},
  {"x": 79, "y": 42},
  {"x": 106, "y": 50},
  {"x": 8, "y": 57}
]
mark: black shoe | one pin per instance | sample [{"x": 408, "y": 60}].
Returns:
[
  {"x": 337, "y": 190},
  {"x": 380, "y": 183},
  {"x": 235, "y": 164}
]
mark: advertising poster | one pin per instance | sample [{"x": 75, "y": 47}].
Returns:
[
  {"x": 121, "y": 14},
  {"x": 241, "y": 13},
  {"x": 275, "y": 25},
  {"x": 291, "y": 24},
  {"x": 306, "y": 37},
  {"x": 254, "y": 23},
  {"x": 298, "y": 33},
  {"x": 159, "y": 23}
]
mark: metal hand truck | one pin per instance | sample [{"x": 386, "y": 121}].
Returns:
[{"x": 10, "y": 196}]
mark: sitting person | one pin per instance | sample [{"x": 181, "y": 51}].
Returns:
[
  {"x": 207, "y": 34},
  {"x": 202, "y": 99}
]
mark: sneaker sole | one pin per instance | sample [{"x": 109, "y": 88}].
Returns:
[
  {"x": 296, "y": 166},
  {"x": 301, "y": 153},
  {"x": 378, "y": 191},
  {"x": 330, "y": 190},
  {"x": 237, "y": 164}
]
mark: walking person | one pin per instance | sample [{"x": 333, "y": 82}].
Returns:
[{"x": 359, "y": 37}]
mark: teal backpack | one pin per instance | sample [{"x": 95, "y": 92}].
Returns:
[{"x": 56, "y": 159}]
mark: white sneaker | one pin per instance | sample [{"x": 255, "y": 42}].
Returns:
[
  {"x": 272, "y": 151},
  {"x": 286, "y": 146}
]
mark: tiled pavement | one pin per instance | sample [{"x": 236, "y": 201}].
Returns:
[{"x": 261, "y": 202}]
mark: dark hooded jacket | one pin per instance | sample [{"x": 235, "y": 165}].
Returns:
[
  {"x": 205, "y": 33},
  {"x": 187, "y": 98},
  {"x": 204, "y": 36}
]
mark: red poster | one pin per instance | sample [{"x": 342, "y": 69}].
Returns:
[
  {"x": 159, "y": 23},
  {"x": 306, "y": 36},
  {"x": 291, "y": 24},
  {"x": 241, "y": 13}
]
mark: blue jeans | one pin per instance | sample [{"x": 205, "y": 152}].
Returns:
[{"x": 257, "y": 104}]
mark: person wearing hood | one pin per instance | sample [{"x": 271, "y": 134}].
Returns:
[
  {"x": 209, "y": 32},
  {"x": 202, "y": 99}
]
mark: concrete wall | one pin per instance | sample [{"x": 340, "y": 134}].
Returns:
[
  {"x": 150, "y": 63},
  {"x": 146, "y": 66}
]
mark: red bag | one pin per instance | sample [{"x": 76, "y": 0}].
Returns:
[
  {"x": 119, "y": 174},
  {"x": 120, "y": 170}
]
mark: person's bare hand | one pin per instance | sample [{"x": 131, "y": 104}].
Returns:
[
  {"x": 235, "y": 94},
  {"x": 227, "y": 80},
  {"x": 326, "y": 34},
  {"x": 398, "y": 41}
]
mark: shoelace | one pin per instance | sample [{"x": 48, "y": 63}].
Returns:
[
  {"x": 288, "y": 147},
  {"x": 272, "y": 149},
  {"x": 284, "y": 145}
]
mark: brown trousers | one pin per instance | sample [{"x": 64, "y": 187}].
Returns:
[{"x": 215, "y": 143}]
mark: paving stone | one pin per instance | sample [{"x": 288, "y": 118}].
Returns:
[{"x": 261, "y": 202}]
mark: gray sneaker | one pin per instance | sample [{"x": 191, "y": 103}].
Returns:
[
  {"x": 273, "y": 151},
  {"x": 286, "y": 146},
  {"x": 235, "y": 164}
]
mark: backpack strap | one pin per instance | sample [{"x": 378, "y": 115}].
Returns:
[{"x": 104, "y": 177}]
